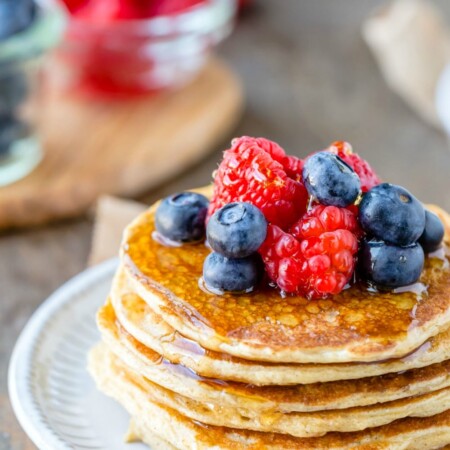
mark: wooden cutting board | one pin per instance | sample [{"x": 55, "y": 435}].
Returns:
[{"x": 121, "y": 147}]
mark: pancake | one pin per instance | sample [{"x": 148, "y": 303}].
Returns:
[
  {"x": 151, "y": 439},
  {"x": 150, "y": 417},
  {"x": 151, "y": 330},
  {"x": 295, "y": 424},
  {"x": 353, "y": 326},
  {"x": 254, "y": 401},
  {"x": 361, "y": 369}
]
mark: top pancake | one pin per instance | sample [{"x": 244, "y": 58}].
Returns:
[
  {"x": 146, "y": 327},
  {"x": 354, "y": 326}
]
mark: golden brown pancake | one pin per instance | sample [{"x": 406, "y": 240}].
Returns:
[
  {"x": 295, "y": 424},
  {"x": 255, "y": 400},
  {"x": 151, "y": 330},
  {"x": 150, "y": 417},
  {"x": 362, "y": 370},
  {"x": 354, "y": 326},
  {"x": 154, "y": 441}
]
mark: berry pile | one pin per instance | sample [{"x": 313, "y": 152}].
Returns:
[{"x": 313, "y": 226}]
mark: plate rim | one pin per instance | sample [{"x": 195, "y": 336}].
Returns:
[{"x": 24, "y": 404}]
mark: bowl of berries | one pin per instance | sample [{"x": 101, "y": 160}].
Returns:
[
  {"x": 133, "y": 47},
  {"x": 28, "y": 30}
]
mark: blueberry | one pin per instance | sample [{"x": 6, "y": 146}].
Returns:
[
  {"x": 433, "y": 234},
  {"x": 330, "y": 180},
  {"x": 15, "y": 16},
  {"x": 392, "y": 214},
  {"x": 391, "y": 266},
  {"x": 181, "y": 217},
  {"x": 236, "y": 230},
  {"x": 232, "y": 274}
]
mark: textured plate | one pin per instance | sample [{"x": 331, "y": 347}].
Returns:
[{"x": 52, "y": 394}]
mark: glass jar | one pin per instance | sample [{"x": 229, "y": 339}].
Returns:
[
  {"x": 20, "y": 76},
  {"x": 134, "y": 56}
]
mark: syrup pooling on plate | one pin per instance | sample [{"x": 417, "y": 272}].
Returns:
[{"x": 354, "y": 314}]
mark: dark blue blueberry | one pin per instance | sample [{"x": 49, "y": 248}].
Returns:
[
  {"x": 433, "y": 234},
  {"x": 392, "y": 214},
  {"x": 236, "y": 230},
  {"x": 390, "y": 266},
  {"x": 181, "y": 217},
  {"x": 15, "y": 16},
  {"x": 330, "y": 180},
  {"x": 232, "y": 274}
]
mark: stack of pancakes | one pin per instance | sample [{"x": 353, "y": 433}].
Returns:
[{"x": 197, "y": 370}]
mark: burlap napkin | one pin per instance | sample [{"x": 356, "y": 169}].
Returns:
[
  {"x": 411, "y": 43},
  {"x": 111, "y": 217}
]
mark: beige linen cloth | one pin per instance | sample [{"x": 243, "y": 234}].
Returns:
[
  {"x": 112, "y": 216},
  {"x": 411, "y": 43}
]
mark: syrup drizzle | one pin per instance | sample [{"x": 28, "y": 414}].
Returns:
[{"x": 264, "y": 315}]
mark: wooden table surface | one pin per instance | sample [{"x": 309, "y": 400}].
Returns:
[{"x": 309, "y": 80}]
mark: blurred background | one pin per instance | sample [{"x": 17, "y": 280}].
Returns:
[{"x": 138, "y": 98}]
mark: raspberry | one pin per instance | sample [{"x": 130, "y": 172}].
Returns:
[
  {"x": 317, "y": 257},
  {"x": 258, "y": 171},
  {"x": 366, "y": 174},
  {"x": 291, "y": 164}
]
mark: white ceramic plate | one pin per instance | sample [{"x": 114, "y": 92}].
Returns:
[{"x": 52, "y": 394}]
